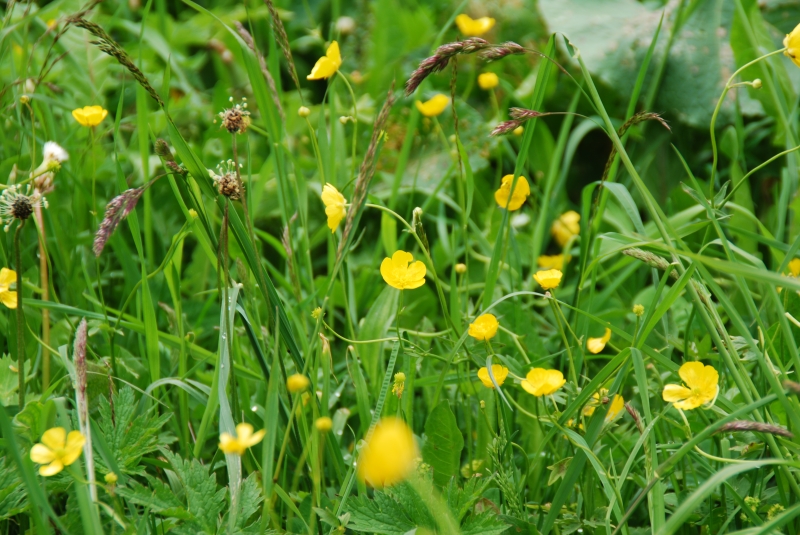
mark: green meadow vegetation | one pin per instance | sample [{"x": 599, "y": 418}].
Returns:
[{"x": 400, "y": 267}]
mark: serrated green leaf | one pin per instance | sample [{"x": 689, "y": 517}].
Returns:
[{"x": 204, "y": 500}]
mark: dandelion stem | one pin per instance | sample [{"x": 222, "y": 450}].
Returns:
[{"x": 20, "y": 318}]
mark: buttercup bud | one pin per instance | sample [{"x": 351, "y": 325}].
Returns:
[
  {"x": 638, "y": 310},
  {"x": 304, "y": 112},
  {"x": 757, "y": 83},
  {"x": 461, "y": 268}
]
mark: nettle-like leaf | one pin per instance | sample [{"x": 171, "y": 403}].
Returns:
[
  {"x": 13, "y": 499},
  {"x": 157, "y": 496},
  {"x": 249, "y": 499},
  {"x": 400, "y": 509},
  {"x": 204, "y": 501},
  {"x": 129, "y": 437}
]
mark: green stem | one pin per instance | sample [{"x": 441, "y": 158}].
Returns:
[
  {"x": 716, "y": 113},
  {"x": 20, "y": 318},
  {"x": 355, "y": 122}
]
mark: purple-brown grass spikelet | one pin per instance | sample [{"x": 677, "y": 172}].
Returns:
[
  {"x": 746, "y": 425},
  {"x": 116, "y": 210}
]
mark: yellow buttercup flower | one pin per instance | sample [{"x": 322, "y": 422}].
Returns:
[
  {"x": 598, "y": 398},
  {"x": 500, "y": 373},
  {"x": 90, "y": 115},
  {"x": 566, "y": 226},
  {"x": 474, "y": 27},
  {"x": 541, "y": 382},
  {"x": 548, "y": 279},
  {"x": 792, "y": 44},
  {"x": 551, "y": 262},
  {"x": 488, "y": 80},
  {"x": 297, "y": 383},
  {"x": 323, "y": 424},
  {"x": 328, "y": 64},
  {"x": 7, "y": 278},
  {"x": 433, "y": 107},
  {"x": 245, "y": 438},
  {"x": 521, "y": 192},
  {"x": 57, "y": 450},
  {"x": 484, "y": 327},
  {"x": 794, "y": 267},
  {"x": 335, "y": 206},
  {"x": 702, "y": 386},
  {"x": 596, "y": 345},
  {"x": 389, "y": 454},
  {"x": 397, "y": 272}
]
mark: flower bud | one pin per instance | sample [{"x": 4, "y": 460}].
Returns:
[
  {"x": 111, "y": 478},
  {"x": 638, "y": 310},
  {"x": 24, "y": 99},
  {"x": 461, "y": 268},
  {"x": 518, "y": 131},
  {"x": 757, "y": 83},
  {"x": 323, "y": 424},
  {"x": 304, "y": 112}
]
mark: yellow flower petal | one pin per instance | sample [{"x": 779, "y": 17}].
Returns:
[
  {"x": 9, "y": 299},
  {"x": 397, "y": 272},
  {"x": 51, "y": 469},
  {"x": 596, "y": 345},
  {"x": 488, "y": 80},
  {"x": 500, "y": 373},
  {"x": 792, "y": 44},
  {"x": 521, "y": 192},
  {"x": 474, "y": 27},
  {"x": 433, "y": 107},
  {"x": 389, "y": 454},
  {"x": 73, "y": 447},
  {"x": 55, "y": 438},
  {"x": 548, "y": 279},
  {"x": 702, "y": 386},
  {"x": 551, "y": 262},
  {"x": 484, "y": 327},
  {"x": 41, "y": 454},
  {"x": 542, "y": 382},
  {"x": 794, "y": 267},
  {"x": 89, "y": 115},
  {"x": 328, "y": 64},
  {"x": 335, "y": 206},
  {"x": 673, "y": 393},
  {"x": 9, "y": 277},
  {"x": 565, "y": 227}
]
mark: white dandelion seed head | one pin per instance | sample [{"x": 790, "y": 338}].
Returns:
[{"x": 54, "y": 152}]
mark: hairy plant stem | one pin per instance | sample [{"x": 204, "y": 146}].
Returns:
[{"x": 20, "y": 318}]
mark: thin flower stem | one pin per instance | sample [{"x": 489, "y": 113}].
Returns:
[
  {"x": 725, "y": 90},
  {"x": 355, "y": 121},
  {"x": 557, "y": 314},
  {"x": 20, "y": 318},
  {"x": 315, "y": 144}
]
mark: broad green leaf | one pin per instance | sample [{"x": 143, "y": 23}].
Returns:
[{"x": 442, "y": 449}]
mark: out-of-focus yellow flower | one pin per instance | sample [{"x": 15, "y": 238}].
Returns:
[
  {"x": 702, "y": 386},
  {"x": 566, "y": 226},
  {"x": 488, "y": 80},
  {"x": 794, "y": 267},
  {"x": 461, "y": 268},
  {"x": 792, "y": 44},
  {"x": 316, "y": 313},
  {"x": 7, "y": 278},
  {"x": 638, "y": 310},
  {"x": 541, "y": 382},
  {"x": 335, "y": 207},
  {"x": 521, "y": 192},
  {"x": 518, "y": 131},
  {"x": 323, "y": 424},
  {"x": 389, "y": 454},
  {"x": 500, "y": 373},
  {"x": 245, "y": 438},
  {"x": 328, "y": 64},
  {"x": 474, "y": 27},
  {"x": 484, "y": 327},
  {"x": 57, "y": 450},
  {"x": 303, "y": 112},
  {"x": 89, "y": 115},
  {"x": 111, "y": 478},
  {"x": 397, "y": 272},
  {"x": 551, "y": 262},
  {"x": 601, "y": 397},
  {"x": 596, "y": 345},
  {"x": 548, "y": 279},
  {"x": 433, "y": 107},
  {"x": 297, "y": 383}
]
